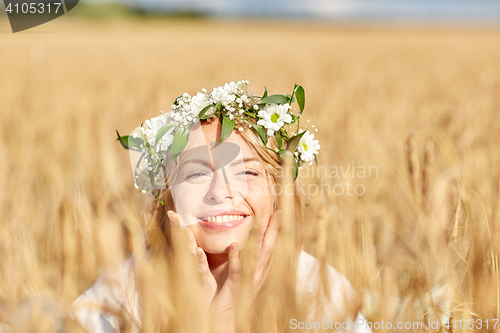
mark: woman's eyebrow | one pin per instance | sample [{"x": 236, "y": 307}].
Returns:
[
  {"x": 208, "y": 164},
  {"x": 198, "y": 161},
  {"x": 245, "y": 160}
]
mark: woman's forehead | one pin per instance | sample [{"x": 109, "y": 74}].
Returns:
[{"x": 209, "y": 133}]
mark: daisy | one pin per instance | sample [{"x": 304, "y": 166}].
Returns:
[
  {"x": 308, "y": 147},
  {"x": 274, "y": 116}
]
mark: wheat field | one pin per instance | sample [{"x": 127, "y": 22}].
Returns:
[{"x": 419, "y": 105}]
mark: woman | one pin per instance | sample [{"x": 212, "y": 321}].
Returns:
[{"x": 213, "y": 166}]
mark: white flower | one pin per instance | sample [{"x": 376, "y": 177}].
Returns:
[
  {"x": 231, "y": 87},
  {"x": 210, "y": 112},
  {"x": 274, "y": 116},
  {"x": 154, "y": 125},
  {"x": 308, "y": 147},
  {"x": 220, "y": 95},
  {"x": 166, "y": 140},
  {"x": 198, "y": 103}
]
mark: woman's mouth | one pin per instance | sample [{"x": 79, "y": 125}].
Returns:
[
  {"x": 223, "y": 221},
  {"x": 224, "y": 218}
]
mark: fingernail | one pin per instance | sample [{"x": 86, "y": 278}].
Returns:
[
  {"x": 234, "y": 246},
  {"x": 263, "y": 228},
  {"x": 170, "y": 215}
]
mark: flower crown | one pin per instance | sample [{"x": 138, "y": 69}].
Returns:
[{"x": 235, "y": 107}]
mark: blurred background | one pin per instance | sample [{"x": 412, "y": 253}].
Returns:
[{"x": 409, "y": 87}]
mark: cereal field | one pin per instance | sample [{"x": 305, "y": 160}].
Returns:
[{"x": 418, "y": 105}]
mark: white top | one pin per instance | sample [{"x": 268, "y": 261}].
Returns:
[{"x": 115, "y": 290}]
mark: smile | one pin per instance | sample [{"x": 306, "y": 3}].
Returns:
[{"x": 222, "y": 220}]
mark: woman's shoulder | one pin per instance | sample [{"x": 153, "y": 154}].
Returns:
[
  {"x": 101, "y": 308},
  {"x": 98, "y": 309},
  {"x": 336, "y": 293},
  {"x": 309, "y": 272}
]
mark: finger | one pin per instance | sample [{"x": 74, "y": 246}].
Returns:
[
  {"x": 271, "y": 232},
  {"x": 203, "y": 267},
  {"x": 234, "y": 276},
  {"x": 175, "y": 221},
  {"x": 261, "y": 231},
  {"x": 191, "y": 239},
  {"x": 174, "y": 218},
  {"x": 209, "y": 285}
]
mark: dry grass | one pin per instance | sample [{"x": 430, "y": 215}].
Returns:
[{"x": 419, "y": 104}]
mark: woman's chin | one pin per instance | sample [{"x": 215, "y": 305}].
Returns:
[
  {"x": 221, "y": 247},
  {"x": 217, "y": 249},
  {"x": 219, "y": 242}
]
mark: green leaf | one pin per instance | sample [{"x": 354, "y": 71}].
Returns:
[
  {"x": 277, "y": 99},
  {"x": 161, "y": 132},
  {"x": 290, "y": 98},
  {"x": 129, "y": 142},
  {"x": 152, "y": 180},
  {"x": 294, "y": 118},
  {"x": 261, "y": 131},
  {"x": 296, "y": 168},
  {"x": 301, "y": 97},
  {"x": 292, "y": 144},
  {"x": 176, "y": 102},
  {"x": 179, "y": 142},
  {"x": 205, "y": 109},
  {"x": 227, "y": 128},
  {"x": 279, "y": 138},
  {"x": 283, "y": 153},
  {"x": 265, "y": 92}
]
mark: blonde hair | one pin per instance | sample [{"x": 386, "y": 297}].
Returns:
[{"x": 160, "y": 243}]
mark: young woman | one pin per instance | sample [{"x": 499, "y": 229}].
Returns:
[{"x": 213, "y": 167}]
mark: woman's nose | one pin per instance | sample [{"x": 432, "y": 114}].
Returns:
[{"x": 219, "y": 190}]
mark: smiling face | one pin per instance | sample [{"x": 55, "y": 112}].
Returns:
[{"x": 220, "y": 191}]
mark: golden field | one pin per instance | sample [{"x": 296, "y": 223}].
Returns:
[{"x": 421, "y": 105}]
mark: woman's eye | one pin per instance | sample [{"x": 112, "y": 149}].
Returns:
[
  {"x": 195, "y": 175},
  {"x": 249, "y": 173}
]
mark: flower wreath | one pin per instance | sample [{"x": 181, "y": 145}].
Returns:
[{"x": 235, "y": 107}]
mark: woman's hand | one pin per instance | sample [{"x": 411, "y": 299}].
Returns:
[
  {"x": 209, "y": 284},
  {"x": 222, "y": 304},
  {"x": 266, "y": 240}
]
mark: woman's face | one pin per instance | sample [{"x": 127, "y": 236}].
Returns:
[{"x": 220, "y": 191}]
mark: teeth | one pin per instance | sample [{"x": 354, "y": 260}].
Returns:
[{"x": 224, "y": 218}]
